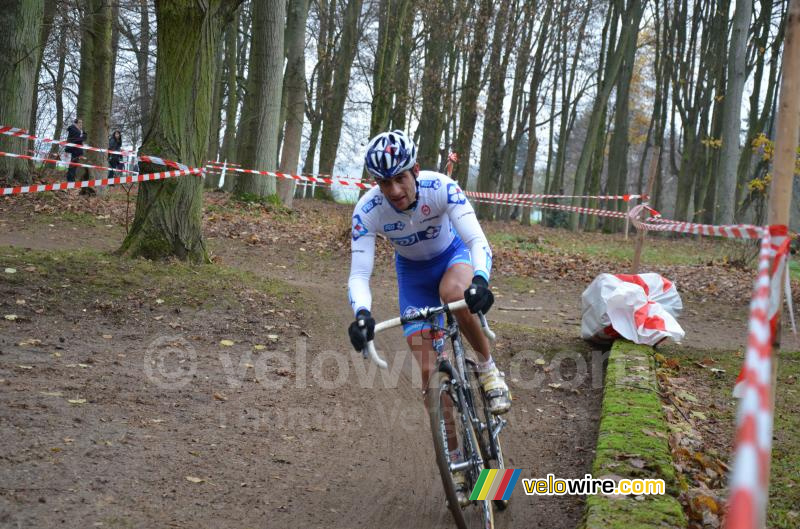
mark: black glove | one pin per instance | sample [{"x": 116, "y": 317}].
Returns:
[
  {"x": 478, "y": 296},
  {"x": 362, "y": 330}
]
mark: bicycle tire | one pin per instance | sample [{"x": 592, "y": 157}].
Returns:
[
  {"x": 491, "y": 450},
  {"x": 439, "y": 387}
]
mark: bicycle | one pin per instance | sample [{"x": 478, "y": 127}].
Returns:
[{"x": 450, "y": 389}]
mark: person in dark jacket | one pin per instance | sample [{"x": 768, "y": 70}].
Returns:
[
  {"x": 114, "y": 160},
  {"x": 75, "y": 134}
]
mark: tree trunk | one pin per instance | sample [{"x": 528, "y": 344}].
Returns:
[
  {"x": 569, "y": 106},
  {"x": 20, "y": 23},
  {"x": 142, "y": 59},
  {"x": 168, "y": 220},
  {"x": 216, "y": 109},
  {"x": 437, "y": 15},
  {"x": 50, "y": 8},
  {"x": 295, "y": 90},
  {"x": 58, "y": 85},
  {"x": 492, "y": 118},
  {"x": 86, "y": 73},
  {"x": 262, "y": 103},
  {"x": 393, "y": 17},
  {"x": 231, "y": 88},
  {"x": 319, "y": 91},
  {"x": 627, "y": 38},
  {"x": 618, "y": 151},
  {"x": 114, "y": 54},
  {"x": 471, "y": 90},
  {"x": 731, "y": 112},
  {"x": 99, "y": 106},
  {"x": 333, "y": 107},
  {"x": 397, "y": 115}
]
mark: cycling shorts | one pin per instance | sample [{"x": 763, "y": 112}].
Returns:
[{"x": 418, "y": 281}]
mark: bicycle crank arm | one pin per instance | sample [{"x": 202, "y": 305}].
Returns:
[{"x": 499, "y": 428}]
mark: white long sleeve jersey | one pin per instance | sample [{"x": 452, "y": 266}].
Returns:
[{"x": 442, "y": 212}]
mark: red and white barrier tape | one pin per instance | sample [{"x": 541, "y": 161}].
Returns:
[
  {"x": 21, "y": 133},
  {"x": 656, "y": 223},
  {"x": 96, "y": 183},
  {"x": 302, "y": 178},
  {"x": 749, "y": 480},
  {"x": 518, "y": 196},
  {"x": 545, "y": 205},
  {"x": 57, "y": 161}
]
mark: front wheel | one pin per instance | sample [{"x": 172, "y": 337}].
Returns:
[
  {"x": 441, "y": 401},
  {"x": 490, "y": 446}
]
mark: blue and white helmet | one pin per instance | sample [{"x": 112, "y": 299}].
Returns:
[{"x": 389, "y": 154}]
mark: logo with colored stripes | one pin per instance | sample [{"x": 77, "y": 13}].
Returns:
[{"x": 495, "y": 484}]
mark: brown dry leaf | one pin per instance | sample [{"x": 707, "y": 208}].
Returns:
[
  {"x": 702, "y": 503},
  {"x": 220, "y": 396},
  {"x": 672, "y": 363}
]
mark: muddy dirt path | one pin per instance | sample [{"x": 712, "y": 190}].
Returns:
[
  {"x": 322, "y": 440},
  {"x": 337, "y": 445}
]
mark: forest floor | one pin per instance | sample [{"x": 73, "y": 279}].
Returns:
[{"x": 141, "y": 394}]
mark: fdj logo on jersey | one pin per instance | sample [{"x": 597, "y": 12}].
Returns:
[
  {"x": 369, "y": 206},
  {"x": 455, "y": 195},
  {"x": 358, "y": 227},
  {"x": 430, "y": 183},
  {"x": 397, "y": 226}
]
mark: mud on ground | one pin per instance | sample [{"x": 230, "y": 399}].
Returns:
[{"x": 270, "y": 420}]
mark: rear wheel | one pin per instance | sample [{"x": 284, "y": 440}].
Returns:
[{"x": 441, "y": 403}]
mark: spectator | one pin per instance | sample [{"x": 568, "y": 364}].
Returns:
[
  {"x": 75, "y": 134},
  {"x": 114, "y": 160}
]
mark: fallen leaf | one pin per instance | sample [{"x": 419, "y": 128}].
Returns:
[
  {"x": 10, "y": 317},
  {"x": 226, "y": 343},
  {"x": 29, "y": 341},
  {"x": 220, "y": 396},
  {"x": 159, "y": 301},
  {"x": 76, "y": 401},
  {"x": 11, "y": 270},
  {"x": 273, "y": 337},
  {"x": 637, "y": 463},
  {"x": 540, "y": 361},
  {"x": 25, "y": 367},
  {"x": 21, "y": 302},
  {"x": 107, "y": 336},
  {"x": 259, "y": 347},
  {"x": 193, "y": 479}
]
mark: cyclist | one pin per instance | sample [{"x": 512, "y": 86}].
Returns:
[{"x": 441, "y": 255}]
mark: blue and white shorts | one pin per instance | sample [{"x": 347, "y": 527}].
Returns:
[{"x": 418, "y": 281}]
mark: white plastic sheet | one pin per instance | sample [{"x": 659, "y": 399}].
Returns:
[{"x": 642, "y": 308}]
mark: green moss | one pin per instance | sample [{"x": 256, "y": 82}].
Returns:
[
  {"x": 627, "y": 513},
  {"x": 633, "y": 428}
]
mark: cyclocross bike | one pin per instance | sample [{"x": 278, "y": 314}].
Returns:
[{"x": 454, "y": 391}]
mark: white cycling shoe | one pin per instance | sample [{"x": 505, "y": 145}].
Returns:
[{"x": 496, "y": 390}]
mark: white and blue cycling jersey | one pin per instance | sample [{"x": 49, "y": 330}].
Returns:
[{"x": 439, "y": 231}]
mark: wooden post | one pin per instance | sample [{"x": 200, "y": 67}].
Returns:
[
  {"x": 651, "y": 181},
  {"x": 628, "y": 218},
  {"x": 783, "y": 162}
]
